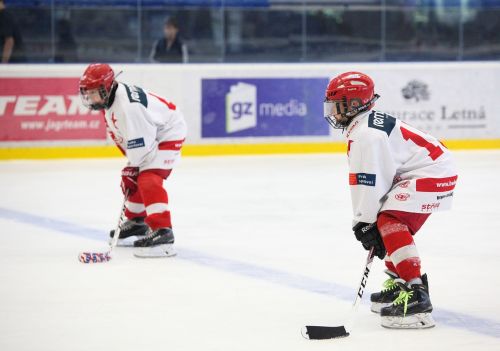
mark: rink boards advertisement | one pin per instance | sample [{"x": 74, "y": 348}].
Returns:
[
  {"x": 45, "y": 109},
  {"x": 453, "y": 103},
  {"x": 262, "y": 107},
  {"x": 255, "y": 106}
]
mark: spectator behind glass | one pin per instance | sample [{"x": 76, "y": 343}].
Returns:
[
  {"x": 169, "y": 49},
  {"x": 11, "y": 42},
  {"x": 66, "y": 50}
]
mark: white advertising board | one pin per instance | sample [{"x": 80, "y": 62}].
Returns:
[{"x": 449, "y": 100}]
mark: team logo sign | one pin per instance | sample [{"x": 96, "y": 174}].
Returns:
[{"x": 33, "y": 109}]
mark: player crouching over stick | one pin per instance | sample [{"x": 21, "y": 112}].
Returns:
[
  {"x": 149, "y": 131},
  {"x": 398, "y": 176}
]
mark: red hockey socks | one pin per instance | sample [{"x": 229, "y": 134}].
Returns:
[
  {"x": 134, "y": 206},
  {"x": 398, "y": 241},
  {"x": 155, "y": 198},
  {"x": 390, "y": 266}
]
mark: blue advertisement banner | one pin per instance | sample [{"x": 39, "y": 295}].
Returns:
[{"x": 263, "y": 107}]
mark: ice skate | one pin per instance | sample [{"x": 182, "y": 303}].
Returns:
[
  {"x": 130, "y": 230},
  {"x": 159, "y": 243},
  {"x": 387, "y": 295},
  {"x": 411, "y": 309}
]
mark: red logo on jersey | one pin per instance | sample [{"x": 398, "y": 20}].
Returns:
[
  {"x": 404, "y": 184},
  {"x": 402, "y": 196},
  {"x": 431, "y": 185},
  {"x": 174, "y": 145}
]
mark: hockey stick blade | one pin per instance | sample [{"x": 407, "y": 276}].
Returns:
[
  {"x": 94, "y": 257},
  {"x": 314, "y": 332}
]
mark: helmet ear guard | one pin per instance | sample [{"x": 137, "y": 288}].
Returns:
[{"x": 353, "y": 112}]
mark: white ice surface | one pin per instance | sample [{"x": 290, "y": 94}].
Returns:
[{"x": 264, "y": 245}]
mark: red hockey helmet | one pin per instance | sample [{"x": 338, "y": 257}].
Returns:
[
  {"x": 346, "y": 96},
  {"x": 96, "y": 84}
]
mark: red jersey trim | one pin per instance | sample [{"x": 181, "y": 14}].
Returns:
[
  {"x": 174, "y": 145},
  {"x": 170, "y": 105},
  {"x": 436, "y": 185}
]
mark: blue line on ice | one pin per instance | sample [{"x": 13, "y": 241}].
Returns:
[{"x": 291, "y": 280}]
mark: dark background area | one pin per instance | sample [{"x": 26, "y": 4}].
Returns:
[{"x": 261, "y": 30}]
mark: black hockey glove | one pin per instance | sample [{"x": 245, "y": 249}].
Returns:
[{"x": 370, "y": 237}]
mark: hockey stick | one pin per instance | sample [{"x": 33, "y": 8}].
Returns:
[
  {"x": 100, "y": 257},
  {"x": 314, "y": 332}
]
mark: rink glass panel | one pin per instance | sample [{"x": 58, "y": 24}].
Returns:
[
  {"x": 109, "y": 34},
  {"x": 297, "y": 31},
  {"x": 341, "y": 34},
  {"x": 422, "y": 34},
  {"x": 35, "y": 26}
]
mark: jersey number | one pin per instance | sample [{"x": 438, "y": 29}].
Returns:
[{"x": 434, "y": 150}]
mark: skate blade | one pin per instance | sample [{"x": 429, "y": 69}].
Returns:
[
  {"x": 416, "y": 321},
  {"x": 165, "y": 250},
  {"x": 377, "y": 306},
  {"x": 127, "y": 242}
]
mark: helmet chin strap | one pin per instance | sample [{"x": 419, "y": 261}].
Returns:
[
  {"x": 348, "y": 116},
  {"x": 361, "y": 108}
]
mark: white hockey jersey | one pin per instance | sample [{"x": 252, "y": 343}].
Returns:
[
  {"x": 141, "y": 122},
  {"x": 393, "y": 166}
]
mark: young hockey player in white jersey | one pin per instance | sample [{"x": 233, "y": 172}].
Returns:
[
  {"x": 149, "y": 131},
  {"x": 398, "y": 176}
]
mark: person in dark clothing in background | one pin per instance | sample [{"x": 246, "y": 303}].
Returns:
[
  {"x": 170, "y": 48},
  {"x": 11, "y": 42}
]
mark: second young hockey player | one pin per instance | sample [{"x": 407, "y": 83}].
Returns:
[{"x": 398, "y": 176}]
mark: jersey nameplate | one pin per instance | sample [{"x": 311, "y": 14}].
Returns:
[
  {"x": 381, "y": 121},
  {"x": 136, "y": 94},
  {"x": 135, "y": 143}
]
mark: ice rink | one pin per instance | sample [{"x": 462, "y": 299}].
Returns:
[{"x": 264, "y": 245}]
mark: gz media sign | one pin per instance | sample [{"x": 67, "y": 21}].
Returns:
[{"x": 263, "y": 107}]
